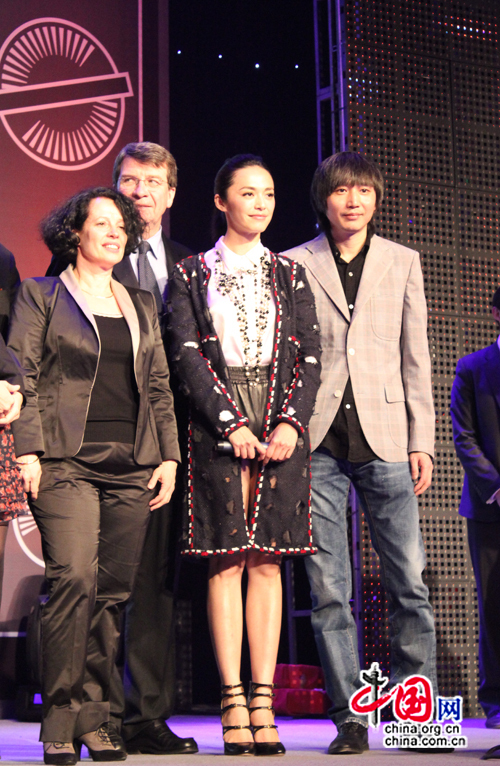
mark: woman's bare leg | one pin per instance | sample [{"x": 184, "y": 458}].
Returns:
[
  {"x": 225, "y": 617},
  {"x": 263, "y": 618}
]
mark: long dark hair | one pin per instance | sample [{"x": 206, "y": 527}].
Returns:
[
  {"x": 224, "y": 179},
  {"x": 60, "y": 228}
]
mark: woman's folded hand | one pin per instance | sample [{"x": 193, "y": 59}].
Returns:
[
  {"x": 246, "y": 445},
  {"x": 165, "y": 474},
  {"x": 281, "y": 443},
  {"x": 31, "y": 472}
]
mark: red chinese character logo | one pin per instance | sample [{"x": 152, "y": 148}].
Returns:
[{"x": 413, "y": 700}]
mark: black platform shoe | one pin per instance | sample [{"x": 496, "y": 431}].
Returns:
[
  {"x": 60, "y": 754},
  {"x": 235, "y": 748},
  {"x": 264, "y": 748},
  {"x": 103, "y": 744}
]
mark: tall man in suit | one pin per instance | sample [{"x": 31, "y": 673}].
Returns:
[
  {"x": 147, "y": 173},
  {"x": 373, "y": 426},
  {"x": 475, "y": 413}
]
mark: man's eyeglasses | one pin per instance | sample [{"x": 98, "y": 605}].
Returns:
[{"x": 131, "y": 182}]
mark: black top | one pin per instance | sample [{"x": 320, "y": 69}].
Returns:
[
  {"x": 114, "y": 402},
  {"x": 345, "y": 439}
]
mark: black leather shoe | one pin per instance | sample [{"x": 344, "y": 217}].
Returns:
[
  {"x": 264, "y": 748},
  {"x": 352, "y": 739},
  {"x": 493, "y": 752},
  {"x": 235, "y": 748},
  {"x": 493, "y": 721},
  {"x": 269, "y": 748},
  {"x": 157, "y": 739}
]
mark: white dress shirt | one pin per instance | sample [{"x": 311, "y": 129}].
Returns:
[{"x": 224, "y": 313}]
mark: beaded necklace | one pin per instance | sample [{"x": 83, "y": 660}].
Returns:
[{"x": 232, "y": 286}]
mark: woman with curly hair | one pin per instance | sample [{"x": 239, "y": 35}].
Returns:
[{"x": 96, "y": 436}]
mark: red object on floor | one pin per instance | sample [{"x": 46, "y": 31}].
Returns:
[
  {"x": 299, "y": 677},
  {"x": 300, "y": 690},
  {"x": 301, "y": 702}
]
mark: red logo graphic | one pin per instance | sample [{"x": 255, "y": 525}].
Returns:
[
  {"x": 62, "y": 98},
  {"x": 412, "y": 700}
]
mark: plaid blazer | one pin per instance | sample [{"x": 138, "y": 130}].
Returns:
[{"x": 383, "y": 347}]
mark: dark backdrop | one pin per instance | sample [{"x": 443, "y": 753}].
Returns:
[
  {"x": 220, "y": 107},
  {"x": 223, "y": 106}
]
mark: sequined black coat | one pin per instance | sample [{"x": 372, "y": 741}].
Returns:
[{"x": 280, "y": 519}]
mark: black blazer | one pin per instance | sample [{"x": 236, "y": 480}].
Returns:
[
  {"x": 124, "y": 273},
  {"x": 9, "y": 282},
  {"x": 9, "y": 367},
  {"x": 475, "y": 412},
  {"x": 56, "y": 340}
]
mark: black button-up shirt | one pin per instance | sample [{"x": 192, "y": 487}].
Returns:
[{"x": 345, "y": 439}]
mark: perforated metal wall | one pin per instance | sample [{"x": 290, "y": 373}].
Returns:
[{"x": 415, "y": 84}]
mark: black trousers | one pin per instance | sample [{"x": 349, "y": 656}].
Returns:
[
  {"x": 92, "y": 519},
  {"x": 149, "y": 671},
  {"x": 484, "y": 545}
]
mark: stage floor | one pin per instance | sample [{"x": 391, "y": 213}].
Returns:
[{"x": 306, "y": 741}]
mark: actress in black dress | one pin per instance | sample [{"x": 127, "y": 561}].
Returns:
[{"x": 245, "y": 341}]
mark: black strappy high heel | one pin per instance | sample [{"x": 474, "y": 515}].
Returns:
[
  {"x": 264, "y": 748},
  {"x": 235, "y": 748}
]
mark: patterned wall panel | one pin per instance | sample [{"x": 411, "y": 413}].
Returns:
[
  {"x": 477, "y": 153},
  {"x": 428, "y": 148},
  {"x": 476, "y": 95},
  {"x": 440, "y": 283},
  {"x": 473, "y": 32},
  {"x": 443, "y": 496},
  {"x": 478, "y": 220},
  {"x": 444, "y": 344},
  {"x": 430, "y": 215},
  {"x": 480, "y": 277}
]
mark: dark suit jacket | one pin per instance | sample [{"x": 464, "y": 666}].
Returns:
[
  {"x": 475, "y": 412},
  {"x": 9, "y": 282},
  {"x": 174, "y": 252},
  {"x": 56, "y": 340},
  {"x": 9, "y": 367}
]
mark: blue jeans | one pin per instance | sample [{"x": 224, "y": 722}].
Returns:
[{"x": 385, "y": 490}]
